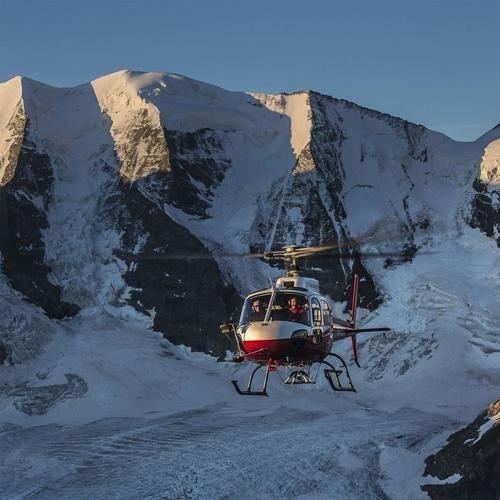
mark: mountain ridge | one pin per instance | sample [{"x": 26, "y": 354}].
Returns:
[{"x": 150, "y": 74}]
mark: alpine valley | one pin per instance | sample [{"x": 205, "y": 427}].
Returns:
[{"x": 111, "y": 380}]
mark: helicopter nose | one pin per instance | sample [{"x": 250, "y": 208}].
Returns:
[
  {"x": 275, "y": 330},
  {"x": 276, "y": 339}
]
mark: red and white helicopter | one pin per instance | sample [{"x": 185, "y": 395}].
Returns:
[{"x": 291, "y": 326}]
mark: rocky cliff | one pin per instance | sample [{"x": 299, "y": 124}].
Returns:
[
  {"x": 468, "y": 467},
  {"x": 485, "y": 213}
]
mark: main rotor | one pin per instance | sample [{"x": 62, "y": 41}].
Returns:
[{"x": 291, "y": 254}]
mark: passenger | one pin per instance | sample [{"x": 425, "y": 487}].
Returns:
[{"x": 297, "y": 312}]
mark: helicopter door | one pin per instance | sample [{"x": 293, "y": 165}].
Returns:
[
  {"x": 316, "y": 315},
  {"x": 327, "y": 316}
]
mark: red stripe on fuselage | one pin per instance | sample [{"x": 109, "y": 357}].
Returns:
[{"x": 287, "y": 351}]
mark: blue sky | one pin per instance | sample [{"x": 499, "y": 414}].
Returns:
[{"x": 435, "y": 62}]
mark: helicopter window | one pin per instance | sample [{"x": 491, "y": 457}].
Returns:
[
  {"x": 255, "y": 308},
  {"x": 286, "y": 307},
  {"x": 296, "y": 308},
  {"x": 326, "y": 312},
  {"x": 316, "y": 311}
]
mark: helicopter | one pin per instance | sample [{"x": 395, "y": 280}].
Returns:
[{"x": 290, "y": 325}]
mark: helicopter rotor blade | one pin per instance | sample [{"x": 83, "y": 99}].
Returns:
[
  {"x": 305, "y": 251},
  {"x": 266, "y": 256},
  {"x": 292, "y": 252},
  {"x": 344, "y": 249},
  {"x": 366, "y": 255},
  {"x": 332, "y": 246},
  {"x": 183, "y": 256},
  {"x": 302, "y": 252}
]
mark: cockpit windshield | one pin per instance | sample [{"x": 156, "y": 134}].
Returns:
[{"x": 286, "y": 307}]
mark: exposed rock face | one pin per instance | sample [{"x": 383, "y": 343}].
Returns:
[
  {"x": 188, "y": 299},
  {"x": 39, "y": 399},
  {"x": 14, "y": 130},
  {"x": 23, "y": 204},
  {"x": 198, "y": 166},
  {"x": 12, "y": 125},
  {"x": 3, "y": 354},
  {"x": 485, "y": 213},
  {"x": 138, "y": 133},
  {"x": 24, "y": 328},
  {"x": 469, "y": 465}
]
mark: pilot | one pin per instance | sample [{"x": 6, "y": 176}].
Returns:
[
  {"x": 296, "y": 310},
  {"x": 258, "y": 310}
]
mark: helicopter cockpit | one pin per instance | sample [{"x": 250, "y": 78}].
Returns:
[{"x": 285, "y": 307}]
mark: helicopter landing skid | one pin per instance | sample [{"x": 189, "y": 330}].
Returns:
[
  {"x": 333, "y": 375},
  {"x": 248, "y": 391},
  {"x": 299, "y": 377}
]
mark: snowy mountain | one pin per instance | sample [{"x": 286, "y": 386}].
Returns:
[
  {"x": 155, "y": 163},
  {"x": 99, "y": 180}
]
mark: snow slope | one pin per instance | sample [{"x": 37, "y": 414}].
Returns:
[{"x": 69, "y": 126}]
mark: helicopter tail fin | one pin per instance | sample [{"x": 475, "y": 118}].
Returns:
[{"x": 354, "y": 306}]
